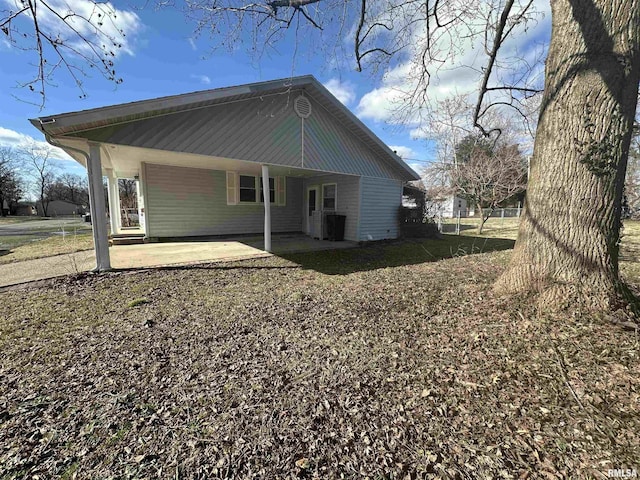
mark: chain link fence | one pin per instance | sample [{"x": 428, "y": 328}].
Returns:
[{"x": 455, "y": 224}]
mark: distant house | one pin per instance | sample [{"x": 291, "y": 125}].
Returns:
[
  {"x": 25, "y": 209},
  {"x": 202, "y": 162},
  {"x": 61, "y": 208},
  {"x": 448, "y": 206}
]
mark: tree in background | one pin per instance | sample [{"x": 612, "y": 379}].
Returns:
[
  {"x": 472, "y": 146},
  {"x": 128, "y": 201},
  {"x": 39, "y": 166},
  {"x": 487, "y": 177},
  {"x": 70, "y": 188},
  {"x": 11, "y": 190}
]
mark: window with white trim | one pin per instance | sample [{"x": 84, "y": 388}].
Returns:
[
  {"x": 329, "y": 196},
  {"x": 248, "y": 189}
]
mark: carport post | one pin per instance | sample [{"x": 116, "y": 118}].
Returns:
[
  {"x": 98, "y": 210},
  {"x": 266, "y": 197},
  {"x": 113, "y": 192}
]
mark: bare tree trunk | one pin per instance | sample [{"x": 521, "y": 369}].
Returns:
[
  {"x": 483, "y": 219},
  {"x": 44, "y": 204},
  {"x": 567, "y": 247}
]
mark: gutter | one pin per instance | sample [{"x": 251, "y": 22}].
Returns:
[{"x": 51, "y": 141}]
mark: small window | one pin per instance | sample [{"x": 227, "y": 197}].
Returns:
[
  {"x": 247, "y": 188},
  {"x": 272, "y": 190},
  {"x": 329, "y": 196}
]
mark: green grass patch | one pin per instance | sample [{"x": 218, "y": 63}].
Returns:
[
  {"x": 137, "y": 302},
  {"x": 26, "y": 247},
  {"x": 12, "y": 220},
  {"x": 9, "y": 242}
]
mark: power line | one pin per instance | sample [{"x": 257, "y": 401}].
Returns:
[{"x": 417, "y": 160}]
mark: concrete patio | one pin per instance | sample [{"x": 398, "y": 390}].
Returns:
[{"x": 162, "y": 254}]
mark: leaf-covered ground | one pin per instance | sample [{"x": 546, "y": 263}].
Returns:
[{"x": 268, "y": 369}]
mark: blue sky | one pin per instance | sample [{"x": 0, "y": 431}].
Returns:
[{"x": 162, "y": 57}]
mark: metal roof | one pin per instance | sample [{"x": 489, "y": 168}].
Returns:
[{"x": 71, "y": 123}]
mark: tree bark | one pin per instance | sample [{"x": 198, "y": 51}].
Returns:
[
  {"x": 568, "y": 240},
  {"x": 483, "y": 219}
]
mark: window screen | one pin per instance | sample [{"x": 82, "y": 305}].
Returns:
[
  {"x": 329, "y": 197},
  {"x": 247, "y": 188}
]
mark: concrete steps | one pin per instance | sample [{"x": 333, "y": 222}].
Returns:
[{"x": 126, "y": 239}]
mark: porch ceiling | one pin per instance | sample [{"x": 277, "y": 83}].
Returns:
[{"x": 126, "y": 160}]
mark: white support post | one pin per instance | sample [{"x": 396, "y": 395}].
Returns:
[
  {"x": 98, "y": 209},
  {"x": 267, "y": 208},
  {"x": 114, "y": 201}
]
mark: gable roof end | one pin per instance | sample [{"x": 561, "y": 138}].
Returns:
[{"x": 68, "y": 124}]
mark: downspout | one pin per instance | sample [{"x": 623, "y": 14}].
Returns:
[{"x": 66, "y": 147}]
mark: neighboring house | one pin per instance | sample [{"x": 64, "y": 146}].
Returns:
[
  {"x": 201, "y": 159},
  {"x": 60, "y": 208},
  {"x": 26, "y": 209},
  {"x": 448, "y": 206}
]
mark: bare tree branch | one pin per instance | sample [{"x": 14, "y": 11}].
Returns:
[{"x": 65, "y": 39}]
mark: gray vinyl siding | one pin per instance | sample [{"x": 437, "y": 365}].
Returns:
[
  {"x": 329, "y": 146},
  {"x": 380, "y": 200},
  {"x": 259, "y": 130},
  {"x": 185, "y": 202},
  {"x": 263, "y": 130},
  {"x": 347, "y": 196}
]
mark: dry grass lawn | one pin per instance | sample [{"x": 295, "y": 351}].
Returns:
[
  {"x": 47, "y": 247},
  {"x": 379, "y": 363},
  {"x": 12, "y": 220}
]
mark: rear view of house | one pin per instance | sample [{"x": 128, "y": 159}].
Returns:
[{"x": 268, "y": 157}]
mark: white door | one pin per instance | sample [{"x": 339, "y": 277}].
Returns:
[{"x": 312, "y": 204}]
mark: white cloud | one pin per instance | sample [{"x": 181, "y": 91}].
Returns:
[
  {"x": 116, "y": 25},
  {"x": 192, "y": 42},
  {"x": 410, "y": 156},
  {"x": 203, "y": 79},
  {"x": 11, "y": 138},
  {"x": 380, "y": 104},
  {"x": 343, "y": 91},
  {"x": 404, "y": 152},
  {"x": 459, "y": 74}
]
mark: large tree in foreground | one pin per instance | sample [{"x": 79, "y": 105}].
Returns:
[{"x": 568, "y": 241}]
